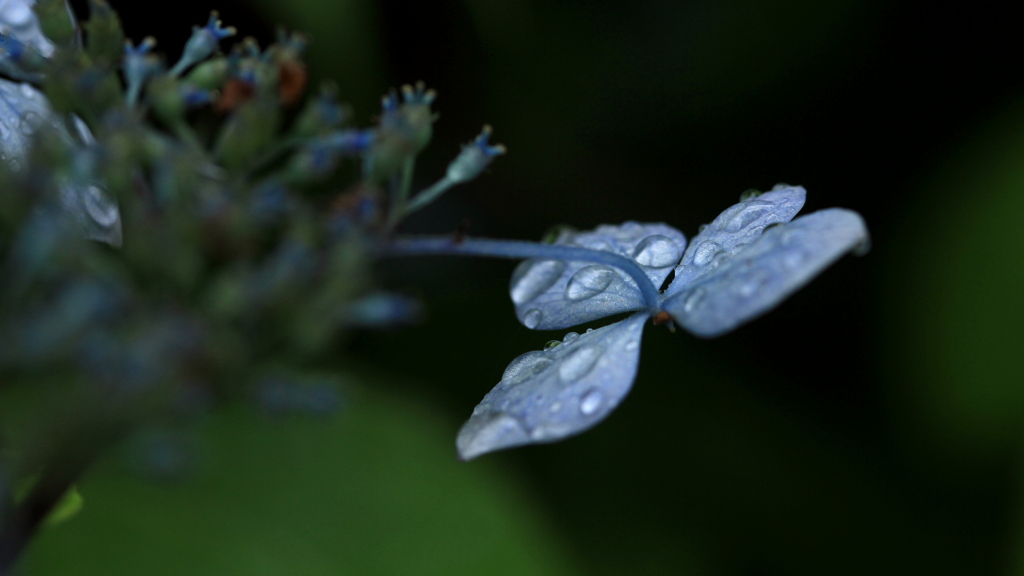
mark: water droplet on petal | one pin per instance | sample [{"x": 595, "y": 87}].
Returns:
[
  {"x": 16, "y": 14},
  {"x": 524, "y": 367},
  {"x": 589, "y": 282},
  {"x": 750, "y": 194},
  {"x": 745, "y": 216},
  {"x": 793, "y": 260},
  {"x": 702, "y": 228},
  {"x": 532, "y": 278},
  {"x": 578, "y": 363},
  {"x": 552, "y": 344},
  {"x": 532, "y": 318},
  {"x": 102, "y": 210},
  {"x": 591, "y": 401},
  {"x": 705, "y": 252},
  {"x": 571, "y": 336},
  {"x": 656, "y": 251},
  {"x": 589, "y": 330},
  {"x": 482, "y": 434},
  {"x": 693, "y": 300},
  {"x": 28, "y": 91}
]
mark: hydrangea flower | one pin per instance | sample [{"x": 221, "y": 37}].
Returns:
[{"x": 740, "y": 266}]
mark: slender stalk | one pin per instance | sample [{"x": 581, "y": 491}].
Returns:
[
  {"x": 427, "y": 196},
  {"x": 400, "y": 194},
  {"x": 446, "y": 245}
]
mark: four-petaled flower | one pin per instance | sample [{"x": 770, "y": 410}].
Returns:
[{"x": 740, "y": 266}]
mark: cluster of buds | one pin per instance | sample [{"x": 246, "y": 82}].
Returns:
[{"x": 173, "y": 232}]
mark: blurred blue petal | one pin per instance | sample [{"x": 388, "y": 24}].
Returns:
[
  {"x": 19, "y": 21},
  {"x": 382, "y": 310},
  {"x": 734, "y": 228},
  {"x": 763, "y": 273},
  {"x": 552, "y": 294},
  {"x": 548, "y": 395},
  {"x": 23, "y": 110}
]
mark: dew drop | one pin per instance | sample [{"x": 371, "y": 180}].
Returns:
[
  {"x": 28, "y": 91},
  {"x": 578, "y": 363},
  {"x": 589, "y": 282},
  {"x": 591, "y": 401},
  {"x": 102, "y": 210},
  {"x": 532, "y": 278},
  {"x": 705, "y": 252},
  {"x": 745, "y": 217},
  {"x": 532, "y": 318},
  {"x": 656, "y": 251},
  {"x": 552, "y": 344},
  {"x": 750, "y": 194},
  {"x": 524, "y": 367},
  {"x": 589, "y": 330},
  {"x": 702, "y": 228},
  {"x": 693, "y": 300},
  {"x": 570, "y": 337},
  {"x": 793, "y": 259}
]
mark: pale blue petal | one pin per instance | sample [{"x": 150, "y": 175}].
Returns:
[
  {"x": 18, "y": 20},
  {"x": 766, "y": 271},
  {"x": 553, "y": 294},
  {"x": 734, "y": 228},
  {"x": 545, "y": 396}
]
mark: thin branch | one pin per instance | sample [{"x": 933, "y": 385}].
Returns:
[{"x": 446, "y": 245}]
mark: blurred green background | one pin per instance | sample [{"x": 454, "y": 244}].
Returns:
[{"x": 872, "y": 424}]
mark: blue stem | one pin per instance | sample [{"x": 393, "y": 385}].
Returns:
[{"x": 520, "y": 249}]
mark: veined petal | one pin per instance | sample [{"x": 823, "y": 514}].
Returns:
[
  {"x": 734, "y": 228},
  {"x": 548, "y": 395},
  {"x": 555, "y": 294},
  {"x": 765, "y": 272}
]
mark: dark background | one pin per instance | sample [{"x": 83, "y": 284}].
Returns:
[{"x": 871, "y": 424}]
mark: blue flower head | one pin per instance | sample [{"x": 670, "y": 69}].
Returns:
[{"x": 742, "y": 265}]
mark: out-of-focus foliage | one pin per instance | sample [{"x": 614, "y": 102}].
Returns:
[
  {"x": 374, "y": 491},
  {"x": 954, "y": 308}
]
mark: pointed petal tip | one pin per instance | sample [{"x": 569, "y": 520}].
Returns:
[{"x": 488, "y": 433}]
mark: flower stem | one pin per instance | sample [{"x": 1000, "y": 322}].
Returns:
[
  {"x": 427, "y": 196},
  {"x": 446, "y": 245}
]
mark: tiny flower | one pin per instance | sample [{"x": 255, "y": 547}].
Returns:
[
  {"x": 742, "y": 265},
  {"x": 139, "y": 66},
  {"x": 753, "y": 256},
  {"x": 406, "y": 127},
  {"x": 474, "y": 158},
  {"x": 202, "y": 43}
]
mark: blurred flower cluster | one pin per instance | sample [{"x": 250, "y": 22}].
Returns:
[{"x": 173, "y": 236}]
